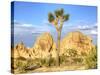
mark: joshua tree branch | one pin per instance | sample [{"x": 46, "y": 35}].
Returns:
[
  {"x": 57, "y": 28},
  {"x": 61, "y": 25}
]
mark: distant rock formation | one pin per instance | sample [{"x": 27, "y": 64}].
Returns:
[
  {"x": 20, "y": 50},
  {"x": 77, "y": 41},
  {"x": 45, "y": 46}
]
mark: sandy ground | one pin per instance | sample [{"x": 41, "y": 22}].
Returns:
[
  {"x": 55, "y": 69},
  {"x": 61, "y": 68}
]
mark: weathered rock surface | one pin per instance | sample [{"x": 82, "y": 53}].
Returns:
[
  {"x": 45, "y": 46},
  {"x": 77, "y": 41},
  {"x": 20, "y": 50}
]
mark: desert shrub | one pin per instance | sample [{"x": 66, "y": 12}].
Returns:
[
  {"x": 77, "y": 60},
  {"x": 20, "y": 63},
  {"x": 63, "y": 59},
  {"x": 91, "y": 59},
  {"x": 48, "y": 62},
  {"x": 31, "y": 62},
  {"x": 71, "y": 52},
  {"x": 70, "y": 57},
  {"x": 36, "y": 61},
  {"x": 43, "y": 62},
  {"x": 52, "y": 62}
]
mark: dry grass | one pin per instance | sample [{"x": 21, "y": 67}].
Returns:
[
  {"x": 60, "y": 68},
  {"x": 55, "y": 68}
]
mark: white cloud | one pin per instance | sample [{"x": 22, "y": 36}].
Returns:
[
  {"x": 17, "y": 24},
  {"x": 20, "y": 28},
  {"x": 83, "y": 27},
  {"x": 27, "y": 25},
  {"x": 88, "y": 27},
  {"x": 24, "y": 29},
  {"x": 93, "y": 32}
]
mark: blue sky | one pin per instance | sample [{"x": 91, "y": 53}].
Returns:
[{"x": 31, "y": 19}]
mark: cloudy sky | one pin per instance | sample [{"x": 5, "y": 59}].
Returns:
[{"x": 31, "y": 19}]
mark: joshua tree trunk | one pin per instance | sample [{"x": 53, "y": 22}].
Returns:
[
  {"x": 58, "y": 44},
  {"x": 58, "y": 48}
]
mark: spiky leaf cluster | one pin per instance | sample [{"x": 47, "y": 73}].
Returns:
[{"x": 58, "y": 14}]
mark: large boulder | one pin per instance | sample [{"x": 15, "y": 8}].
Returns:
[
  {"x": 43, "y": 46},
  {"x": 77, "y": 41}
]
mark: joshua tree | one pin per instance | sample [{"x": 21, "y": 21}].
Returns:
[{"x": 57, "y": 19}]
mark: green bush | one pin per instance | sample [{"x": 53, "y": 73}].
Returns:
[
  {"x": 48, "y": 62},
  {"x": 71, "y": 57},
  {"x": 77, "y": 60},
  {"x": 63, "y": 59},
  {"x": 44, "y": 62},
  {"x": 52, "y": 62},
  {"x": 71, "y": 52},
  {"x": 20, "y": 65},
  {"x": 91, "y": 59}
]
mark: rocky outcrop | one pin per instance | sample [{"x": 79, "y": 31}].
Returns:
[
  {"x": 77, "y": 41},
  {"x": 44, "y": 46},
  {"x": 20, "y": 50}
]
